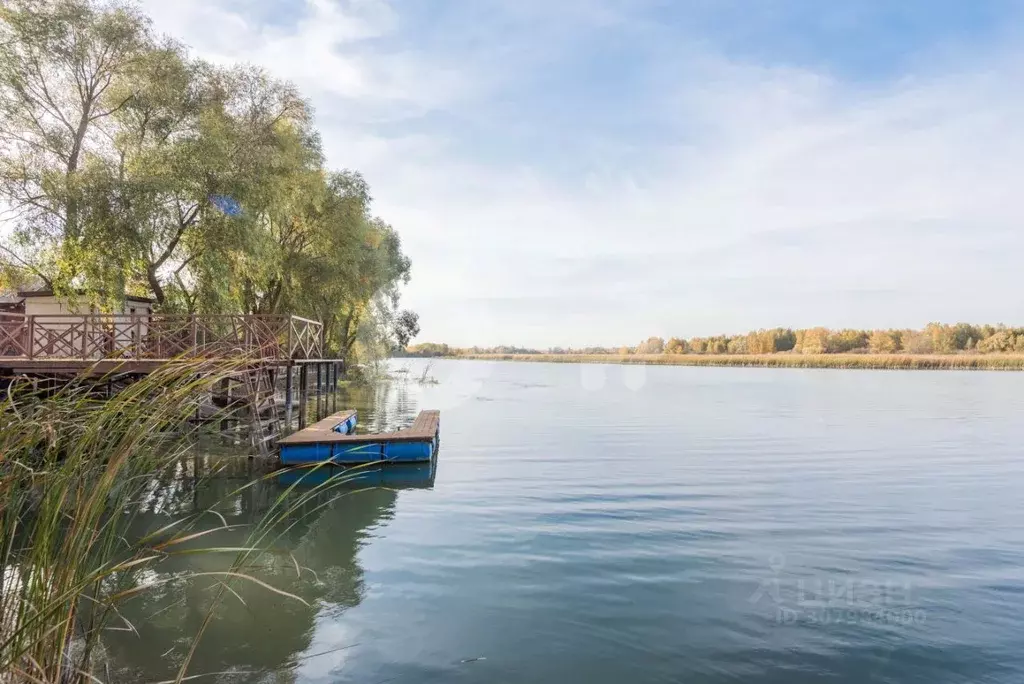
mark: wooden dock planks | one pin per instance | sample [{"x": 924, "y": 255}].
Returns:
[
  {"x": 321, "y": 442},
  {"x": 321, "y": 430}
]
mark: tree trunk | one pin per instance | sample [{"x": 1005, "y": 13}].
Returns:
[
  {"x": 154, "y": 284},
  {"x": 71, "y": 227},
  {"x": 349, "y": 330}
]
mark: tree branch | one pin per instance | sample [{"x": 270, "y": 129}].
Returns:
[
  {"x": 30, "y": 267},
  {"x": 112, "y": 110},
  {"x": 186, "y": 262},
  {"x": 53, "y": 107},
  {"x": 183, "y": 225}
]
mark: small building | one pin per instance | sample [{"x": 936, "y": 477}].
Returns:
[{"x": 44, "y": 302}]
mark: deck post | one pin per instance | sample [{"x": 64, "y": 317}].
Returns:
[
  {"x": 137, "y": 333},
  {"x": 323, "y": 389},
  {"x": 288, "y": 400},
  {"x": 319, "y": 381},
  {"x": 30, "y": 348},
  {"x": 288, "y": 349},
  {"x": 334, "y": 387},
  {"x": 225, "y": 389},
  {"x": 303, "y": 394},
  {"x": 274, "y": 421},
  {"x": 328, "y": 389}
]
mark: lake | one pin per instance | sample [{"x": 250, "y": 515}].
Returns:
[{"x": 634, "y": 524}]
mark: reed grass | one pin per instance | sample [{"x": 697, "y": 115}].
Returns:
[
  {"x": 783, "y": 360},
  {"x": 73, "y": 469}
]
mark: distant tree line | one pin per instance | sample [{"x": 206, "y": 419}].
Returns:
[{"x": 935, "y": 338}]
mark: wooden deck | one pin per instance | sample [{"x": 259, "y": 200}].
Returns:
[
  {"x": 77, "y": 341},
  {"x": 250, "y": 352},
  {"x": 321, "y": 442},
  {"x": 423, "y": 428}
]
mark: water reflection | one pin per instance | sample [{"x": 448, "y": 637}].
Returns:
[
  {"x": 384, "y": 407},
  {"x": 405, "y": 476},
  {"x": 253, "y": 633}
]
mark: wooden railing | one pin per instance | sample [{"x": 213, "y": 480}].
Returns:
[{"x": 159, "y": 336}]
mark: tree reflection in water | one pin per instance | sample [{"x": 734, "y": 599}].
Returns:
[{"x": 254, "y": 634}]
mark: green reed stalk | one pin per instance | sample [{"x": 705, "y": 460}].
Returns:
[{"x": 73, "y": 466}]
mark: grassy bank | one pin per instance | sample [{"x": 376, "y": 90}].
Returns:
[{"x": 862, "y": 361}]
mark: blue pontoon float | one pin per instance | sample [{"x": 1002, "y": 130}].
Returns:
[
  {"x": 391, "y": 475},
  {"x": 333, "y": 440}
]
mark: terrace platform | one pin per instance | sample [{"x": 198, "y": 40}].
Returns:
[{"x": 252, "y": 353}]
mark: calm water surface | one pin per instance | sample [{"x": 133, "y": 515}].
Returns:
[{"x": 629, "y": 524}]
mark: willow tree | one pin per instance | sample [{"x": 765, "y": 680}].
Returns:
[
  {"x": 318, "y": 251},
  {"x": 59, "y": 60},
  {"x": 112, "y": 145},
  {"x": 121, "y": 157},
  {"x": 192, "y": 133}
]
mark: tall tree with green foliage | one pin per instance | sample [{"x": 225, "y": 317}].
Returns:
[
  {"x": 59, "y": 63},
  {"x": 119, "y": 154}
]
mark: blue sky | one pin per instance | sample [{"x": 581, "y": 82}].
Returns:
[{"x": 574, "y": 172}]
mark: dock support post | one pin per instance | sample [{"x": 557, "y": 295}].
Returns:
[
  {"x": 329, "y": 389},
  {"x": 303, "y": 394},
  {"x": 288, "y": 399},
  {"x": 334, "y": 388},
  {"x": 319, "y": 389},
  {"x": 273, "y": 424},
  {"x": 225, "y": 389}
]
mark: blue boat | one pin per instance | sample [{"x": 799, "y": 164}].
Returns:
[{"x": 334, "y": 440}]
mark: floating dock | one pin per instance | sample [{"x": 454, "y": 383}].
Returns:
[{"x": 332, "y": 440}]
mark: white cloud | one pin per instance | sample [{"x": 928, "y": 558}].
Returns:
[
  {"x": 770, "y": 195},
  {"x": 320, "y": 51},
  {"x": 913, "y": 192}
]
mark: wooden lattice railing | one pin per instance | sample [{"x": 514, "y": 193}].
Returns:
[{"x": 158, "y": 336}]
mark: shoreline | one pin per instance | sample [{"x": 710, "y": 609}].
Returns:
[{"x": 991, "y": 362}]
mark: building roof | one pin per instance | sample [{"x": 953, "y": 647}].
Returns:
[{"x": 47, "y": 292}]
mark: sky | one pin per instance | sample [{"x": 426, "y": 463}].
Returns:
[{"x": 594, "y": 172}]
